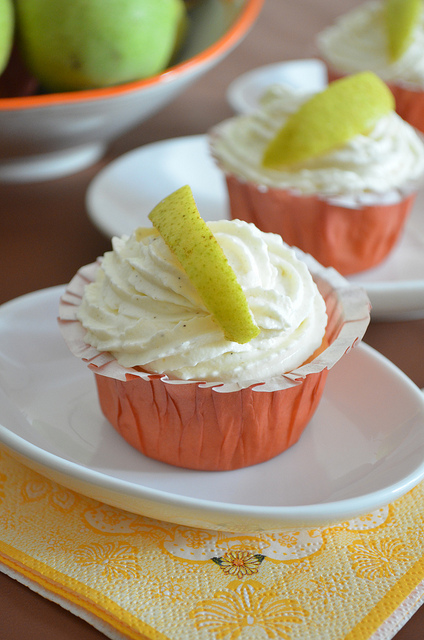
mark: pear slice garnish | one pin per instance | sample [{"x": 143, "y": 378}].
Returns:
[
  {"x": 346, "y": 108},
  {"x": 400, "y": 19},
  {"x": 179, "y": 223}
]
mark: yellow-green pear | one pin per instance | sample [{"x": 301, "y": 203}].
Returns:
[
  {"x": 7, "y": 21},
  {"x": 85, "y": 44}
]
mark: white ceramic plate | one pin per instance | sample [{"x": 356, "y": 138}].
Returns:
[
  {"x": 244, "y": 92},
  {"x": 122, "y": 195},
  {"x": 363, "y": 448}
]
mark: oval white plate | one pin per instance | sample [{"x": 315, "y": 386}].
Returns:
[
  {"x": 363, "y": 448},
  {"x": 121, "y": 196}
]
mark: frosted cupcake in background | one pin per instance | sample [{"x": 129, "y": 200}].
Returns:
[
  {"x": 363, "y": 39},
  {"x": 169, "y": 380},
  {"x": 346, "y": 206}
]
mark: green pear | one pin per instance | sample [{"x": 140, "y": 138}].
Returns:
[
  {"x": 85, "y": 44},
  {"x": 7, "y": 23}
]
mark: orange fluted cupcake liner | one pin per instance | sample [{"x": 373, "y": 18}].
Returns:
[
  {"x": 409, "y": 104},
  {"x": 349, "y": 239},
  {"x": 217, "y": 426},
  {"x": 197, "y": 428}
]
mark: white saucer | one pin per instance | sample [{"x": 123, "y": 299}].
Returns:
[
  {"x": 244, "y": 92},
  {"x": 363, "y": 448},
  {"x": 122, "y": 195}
]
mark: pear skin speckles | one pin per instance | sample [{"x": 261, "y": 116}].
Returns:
[{"x": 178, "y": 221}]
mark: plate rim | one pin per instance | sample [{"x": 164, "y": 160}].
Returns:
[{"x": 102, "y": 175}]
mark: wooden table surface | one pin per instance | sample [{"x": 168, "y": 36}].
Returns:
[{"x": 46, "y": 236}]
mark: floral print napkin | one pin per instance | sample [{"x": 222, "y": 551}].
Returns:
[{"x": 133, "y": 577}]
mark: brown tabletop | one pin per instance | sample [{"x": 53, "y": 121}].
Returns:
[{"x": 46, "y": 236}]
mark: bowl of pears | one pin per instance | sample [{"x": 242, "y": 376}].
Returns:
[{"x": 74, "y": 76}]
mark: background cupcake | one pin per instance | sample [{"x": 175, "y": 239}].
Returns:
[
  {"x": 167, "y": 378},
  {"x": 347, "y": 206},
  {"x": 361, "y": 40}
]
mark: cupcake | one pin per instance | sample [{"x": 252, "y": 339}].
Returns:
[
  {"x": 360, "y": 40},
  {"x": 171, "y": 383},
  {"x": 347, "y": 206}
]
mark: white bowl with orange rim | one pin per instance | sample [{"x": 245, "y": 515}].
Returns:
[{"x": 43, "y": 136}]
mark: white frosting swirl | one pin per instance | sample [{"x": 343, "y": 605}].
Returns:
[
  {"x": 144, "y": 310},
  {"x": 386, "y": 162},
  {"x": 358, "y": 41}
]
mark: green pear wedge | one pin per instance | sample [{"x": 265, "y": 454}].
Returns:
[
  {"x": 178, "y": 221},
  {"x": 401, "y": 17},
  {"x": 345, "y": 109}
]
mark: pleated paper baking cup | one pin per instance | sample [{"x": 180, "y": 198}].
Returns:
[
  {"x": 350, "y": 237},
  {"x": 217, "y": 426},
  {"x": 409, "y": 104}
]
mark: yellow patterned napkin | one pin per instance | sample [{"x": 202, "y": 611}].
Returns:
[{"x": 133, "y": 577}]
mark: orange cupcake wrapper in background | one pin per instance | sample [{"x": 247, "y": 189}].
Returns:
[
  {"x": 350, "y": 240},
  {"x": 409, "y": 105},
  {"x": 215, "y": 426}
]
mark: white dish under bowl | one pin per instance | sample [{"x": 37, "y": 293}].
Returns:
[
  {"x": 363, "y": 448},
  {"x": 122, "y": 195}
]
